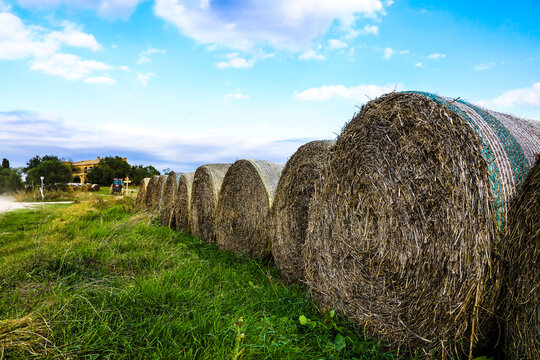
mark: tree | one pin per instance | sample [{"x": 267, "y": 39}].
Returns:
[
  {"x": 108, "y": 169},
  {"x": 139, "y": 172},
  {"x": 5, "y": 163},
  {"x": 36, "y": 160},
  {"x": 10, "y": 180},
  {"x": 55, "y": 173}
]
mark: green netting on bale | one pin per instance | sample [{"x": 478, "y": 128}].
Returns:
[{"x": 519, "y": 165}]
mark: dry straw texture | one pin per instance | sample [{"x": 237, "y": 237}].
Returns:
[
  {"x": 204, "y": 198},
  {"x": 405, "y": 223},
  {"x": 150, "y": 190},
  {"x": 155, "y": 193},
  {"x": 243, "y": 218},
  {"x": 291, "y": 204},
  {"x": 140, "y": 200},
  {"x": 183, "y": 202},
  {"x": 167, "y": 206},
  {"x": 522, "y": 254}
]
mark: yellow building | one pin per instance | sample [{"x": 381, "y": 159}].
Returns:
[{"x": 82, "y": 167}]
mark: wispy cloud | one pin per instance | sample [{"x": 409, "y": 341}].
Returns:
[
  {"x": 25, "y": 134},
  {"x": 387, "y": 53},
  {"x": 366, "y": 30},
  {"x": 144, "y": 57},
  {"x": 523, "y": 96},
  {"x": 234, "y": 60},
  {"x": 337, "y": 44},
  {"x": 145, "y": 78},
  {"x": 311, "y": 55},
  {"x": 483, "y": 67},
  {"x": 100, "y": 80},
  {"x": 69, "y": 66},
  {"x": 289, "y": 24},
  {"x": 436, "y": 56},
  {"x": 237, "y": 95},
  {"x": 419, "y": 64},
  {"x": 360, "y": 93},
  {"x": 42, "y": 46}
]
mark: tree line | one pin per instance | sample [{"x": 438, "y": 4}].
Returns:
[{"x": 57, "y": 174}]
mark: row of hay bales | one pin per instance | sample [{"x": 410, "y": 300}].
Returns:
[{"x": 421, "y": 222}]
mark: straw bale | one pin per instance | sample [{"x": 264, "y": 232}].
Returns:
[
  {"x": 150, "y": 189},
  {"x": 406, "y": 220},
  {"x": 522, "y": 255},
  {"x": 154, "y": 191},
  {"x": 183, "y": 202},
  {"x": 243, "y": 218},
  {"x": 167, "y": 205},
  {"x": 204, "y": 198},
  {"x": 140, "y": 200},
  {"x": 290, "y": 209}
]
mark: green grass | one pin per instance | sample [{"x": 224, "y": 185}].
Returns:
[{"x": 99, "y": 280}]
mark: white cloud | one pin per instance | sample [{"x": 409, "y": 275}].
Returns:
[
  {"x": 337, "y": 44},
  {"x": 388, "y": 52},
  {"x": 106, "y": 8},
  {"x": 361, "y": 93},
  {"x": 522, "y": 96},
  {"x": 482, "y": 67},
  {"x": 419, "y": 64},
  {"x": 311, "y": 55},
  {"x": 145, "y": 55},
  {"x": 20, "y": 42},
  {"x": 145, "y": 78},
  {"x": 25, "y": 134},
  {"x": 236, "y": 96},
  {"x": 404, "y": 52},
  {"x": 289, "y": 24},
  {"x": 73, "y": 37},
  {"x": 366, "y": 30},
  {"x": 100, "y": 80},
  {"x": 436, "y": 56},
  {"x": 42, "y": 46},
  {"x": 235, "y": 61},
  {"x": 69, "y": 66}
]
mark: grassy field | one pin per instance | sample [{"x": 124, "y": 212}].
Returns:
[{"x": 98, "y": 279}]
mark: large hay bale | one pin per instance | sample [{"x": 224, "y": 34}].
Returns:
[
  {"x": 154, "y": 191},
  {"x": 140, "y": 200},
  {"x": 243, "y": 219},
  {"x": 204, "y": 198},
  {"x": 167, "y": 204},
  {"x": 522, "y": 276},
  {"x": 291, "y": 204},
  {"x": 183, "y": 202},
  {"x": 150, "y": 189},
  {"x": 405, "y": 222}
]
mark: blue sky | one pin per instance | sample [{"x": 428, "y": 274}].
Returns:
[{"x": 179, "y": 83}]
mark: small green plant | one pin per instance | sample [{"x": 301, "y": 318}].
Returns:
[{"x": 237, "y": 352}]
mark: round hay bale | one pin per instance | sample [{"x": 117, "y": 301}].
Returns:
[
  {"x": 406, "y": 220},
  {"x": 522, "y": 276},
  {"x": 155, "y": 192},
  {"x": 243, "y": 218},
  {"x": 204, "y": 198},
  {"x": 151, "y": 191},
  {"x": 167, "y": 205},
  {"x": 95, "y": 188},
  {"x": 291, "y": 204},
  {"x": 183, "y": 202},
  {"x": 140, "y": 200}
]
